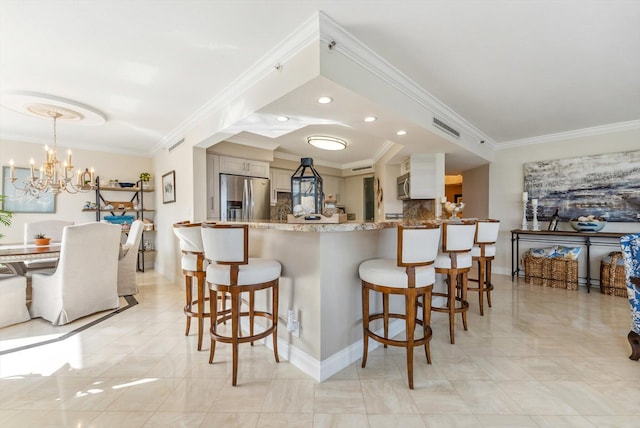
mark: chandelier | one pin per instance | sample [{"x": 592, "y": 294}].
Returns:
[{"x": 53, "y": 176}]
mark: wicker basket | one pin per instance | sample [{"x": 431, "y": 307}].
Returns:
[
  {"x": 612, "y": 276},
  {"x": 551, "y": 272}
]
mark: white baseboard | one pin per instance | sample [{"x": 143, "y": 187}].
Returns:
[{"x": 322, "y": 370}]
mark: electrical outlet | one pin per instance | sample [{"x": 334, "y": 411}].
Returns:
[{"x": 293, "y": 325}]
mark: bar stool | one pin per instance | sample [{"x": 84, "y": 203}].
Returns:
[
  {"x": 230, "y": 270},
  {"x": 411, "y": 275},
  {"x": 193, "y": 266},
  {"x": 455, "y": 262},
  {"x": 483, "y": 252}
]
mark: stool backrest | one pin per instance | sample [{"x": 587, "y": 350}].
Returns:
[
  {"x": 487, "y": 231},
  {"x": 190, "y": 236},
  {"x": 458, "y": 237},
  {"x": 418, "y": 244},
  {"x": 226, "y": 243}
]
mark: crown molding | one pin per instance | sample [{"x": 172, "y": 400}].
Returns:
[
  {"x": 291, "y": 45},
  {"x": 578, "y": 133},
  {"x": 361, "y": 54}
]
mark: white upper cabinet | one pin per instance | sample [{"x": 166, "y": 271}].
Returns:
[
  {"x": 281, "y": 179},
  {"x": 427, "y": 175},
  {"x": 238, "y": 166},
  {"x": 280, "y": 182}
]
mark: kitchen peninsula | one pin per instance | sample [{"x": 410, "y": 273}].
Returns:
[{"x": 320, "y": 282}]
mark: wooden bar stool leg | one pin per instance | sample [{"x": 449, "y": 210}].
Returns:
[
  {"x": 188, "y": 293},
  {"x": 489, "y": 286},
  {"x": 481, "y": 282},
  {"x": 365, "y": 324},
  {"x": 274, "y": 312},
  {"x": 452, "y": 279},
  {"x": 200, "y": 279},
  {"x": 213, "y": 310},
  {"x": 426, "y": 322},
  {"x": 251, "y": 312},
  {"x": 463, "y": 297},
  {"x": 410, "y": 304},
  {"x": 385, "y": 306},
  {"x": 235, "y": 327}
]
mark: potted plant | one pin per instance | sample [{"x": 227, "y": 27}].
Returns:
[
  {"x": 5, "y": 216},
  {"x": 41, "y": 239},
  {"x": 145, "y": 177}
]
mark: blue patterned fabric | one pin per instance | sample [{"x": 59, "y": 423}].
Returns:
[
  {"x": 631, "y": 253},
  {"x": 557, "y": 252}
]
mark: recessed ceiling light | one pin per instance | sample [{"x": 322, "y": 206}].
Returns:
[
  {"x": 282, "y": 118},
  {"x": 401, "y": 132},
  {"x": 327, "y": 143},
  {"x": 370, "y": 119},
  {"x": 325, "y": 100}
]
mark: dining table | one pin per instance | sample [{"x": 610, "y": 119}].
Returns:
[{"x": 14, "y": 256}]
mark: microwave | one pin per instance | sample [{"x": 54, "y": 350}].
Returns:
[{"x": 403, "y": 187}]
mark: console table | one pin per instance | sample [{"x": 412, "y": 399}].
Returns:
[{"x": 587, "y": 239}]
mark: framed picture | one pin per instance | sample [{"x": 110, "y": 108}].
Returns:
[
  {"x": 169, "y": 187},
  {"x": 17, "y": 201}
]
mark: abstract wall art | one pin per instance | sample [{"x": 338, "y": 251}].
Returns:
[{"x": 606, "y": 185}]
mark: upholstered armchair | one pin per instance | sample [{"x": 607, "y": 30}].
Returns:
[
  {"x": 86, "y": 278},
  {"x": 631, "y": 254},
  {"x": 127, "y": 264}
]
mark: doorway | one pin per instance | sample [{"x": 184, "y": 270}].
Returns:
[{"x": 369, "y": 200}]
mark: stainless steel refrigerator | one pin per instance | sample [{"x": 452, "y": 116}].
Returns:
[{"x": 244, "y": 198}]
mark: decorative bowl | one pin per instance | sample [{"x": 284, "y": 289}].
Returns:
[
  {"x": 587, "y": 226},
  {"x": 127, "y": 184}
]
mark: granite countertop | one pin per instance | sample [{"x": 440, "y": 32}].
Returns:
[{"x": 349, "y": 226}]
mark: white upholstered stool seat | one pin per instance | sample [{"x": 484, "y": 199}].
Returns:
[
  {"x": 443, "y": 261},
  {"x": 410, "y": 275},
  {"x": 387, "y": 272},
  {"x": 483, "y": 253},
  {"x": 455, "y": 262},
  {"x": 257, "y": 270},
  {"x": 490, "y": 251},
  {"x": 230, "y": 270},
  {"x": 13, "y": 300}
]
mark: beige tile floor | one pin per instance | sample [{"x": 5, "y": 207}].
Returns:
[{"x": 539, "y": 358}]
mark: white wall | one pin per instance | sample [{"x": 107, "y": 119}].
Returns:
[
  {"x": 69, "y": 207},
  {"x": 507, "y": 181}
]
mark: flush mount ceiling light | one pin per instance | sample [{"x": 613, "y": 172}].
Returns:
[
  {"x": 370, "y": 119},
  {"x": 282, "y": 118},
  {"x": 401, "y": 132},
  {"x": 327, "y": 143},
  {"x": 325, "y": 100}
]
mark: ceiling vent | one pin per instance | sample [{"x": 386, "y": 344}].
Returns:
[
  {"x": 362, "y": 168},
  {"x": 175, "y": 146},
  {"x": 446, "y": 128}
]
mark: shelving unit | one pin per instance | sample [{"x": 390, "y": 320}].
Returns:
[{"x": 136, "y": 200}]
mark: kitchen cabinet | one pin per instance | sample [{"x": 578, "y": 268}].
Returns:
[
  {"x": 335, "y": 186},
  {"x": 238, "y": 166},
  {"x": 280, "y": 182},
  {"x": 427, "y": 175}
]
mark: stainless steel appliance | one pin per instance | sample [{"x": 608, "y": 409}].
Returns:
[
  {"x": 244, "y": 198},
  {"x": 403, "y": 187}
]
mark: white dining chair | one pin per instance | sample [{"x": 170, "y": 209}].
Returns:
[
  {"x": 86, "y": 278},
  {"x": 128, "y": 260}
]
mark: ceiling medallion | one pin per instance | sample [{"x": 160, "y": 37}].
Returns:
[
  {"x": 42, "y": 105},
  {"x": 327, "y": 143}
]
